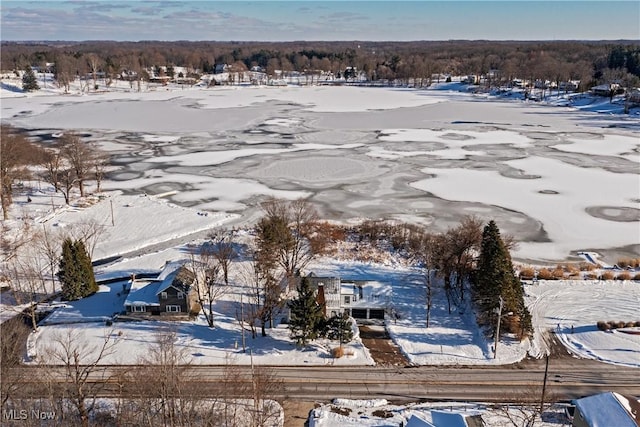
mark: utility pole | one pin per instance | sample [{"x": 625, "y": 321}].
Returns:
[
  {"x": 544, "y": 383},
  {"x": 495, "y": 347}
]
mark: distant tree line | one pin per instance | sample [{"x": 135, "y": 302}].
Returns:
[{"x": 591, "y": 62}]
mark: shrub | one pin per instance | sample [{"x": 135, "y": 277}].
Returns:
[
  {"x": 381, "y": 413},
  {"x": 527, "y": 273},
  {"x": 196, "y": 308},
  {"x": 590, "y": 276},
  {"x": 337, "y": 352},
  {"x": 637, "y": 324},
  {"x": 624, "y": 276},
  {"x": 342, "y": 411},
  {"x": 586, "y": 266},
  {"x": 623, "y": 262},
  {"x": 602, "y": 326},
  {"x": 607, "y": 275},
  {"x": 558, "y": 273},
  {"x": 544, "y": 274},
  {"x": 612, "y": 324},
  {"x": 629, "y": 324},
  {"x": 636, "y": 277}
]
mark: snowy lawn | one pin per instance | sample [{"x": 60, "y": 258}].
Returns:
[
  {"x": 451, "y": 339},
  {"x": 580, "y": 305}
]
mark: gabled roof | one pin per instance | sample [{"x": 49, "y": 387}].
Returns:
[
  {"x": 145, "y": 295},
  {"x": 609, "y": 409},
  {"x": 174, "y": 274},
  {"x": 178, "y": 276}
]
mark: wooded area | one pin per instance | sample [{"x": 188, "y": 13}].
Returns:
[{"x": 590, "y": 62}]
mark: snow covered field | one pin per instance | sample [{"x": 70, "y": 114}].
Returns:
[{"x": 560, "y": 179}]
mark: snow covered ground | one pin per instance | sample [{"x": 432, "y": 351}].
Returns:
[
  {"x": 451, "y": 339},
  {"x": 560, "y": 179}
]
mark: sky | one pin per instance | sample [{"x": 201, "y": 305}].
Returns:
[{"x": 132, "y": 20}]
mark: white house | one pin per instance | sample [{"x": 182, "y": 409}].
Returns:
[{"x": 361, "y": 299}]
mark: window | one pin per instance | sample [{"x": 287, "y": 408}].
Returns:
[
  {"x": 174, "y": 309},
  {"x": 347, "y": 299},
  {"x": 180, "y": 295},
  {"x": 138, "y": 308},
  {"x": 163, "y": 295}
]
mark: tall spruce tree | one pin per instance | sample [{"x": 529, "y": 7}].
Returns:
[
  {"x": 495, "y": 278},
  {"x": 29, "y": 81},
  {"x": 307, "y": 316},
  {"x": 76, "y": 272}
]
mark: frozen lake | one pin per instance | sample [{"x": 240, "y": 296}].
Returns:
[{"x": 559, "y": 179}]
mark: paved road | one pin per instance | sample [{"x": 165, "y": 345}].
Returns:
[{"x": 567, "y": 379}]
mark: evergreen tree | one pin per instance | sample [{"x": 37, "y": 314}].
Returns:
[
  {"x": 76, "y": 271},
  {"x": 29, "y": 81},
  {"x": 494, "y": 279},
  {"x": 307, "y": 316},
  {"x": 339, "y": 327}
]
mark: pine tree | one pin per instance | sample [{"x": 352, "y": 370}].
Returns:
[
  {"x": 76, "y": 271},
  {"x": 495, "y": 278},
  {"x": 29, "y": 81},
  {"x": 306, "y": 315},
  {"x": 339, "y": 327}
]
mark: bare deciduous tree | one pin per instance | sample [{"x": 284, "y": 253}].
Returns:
[
  {"x": 28, "y": 284},
  {"x": 290, "y": 232},
  {"x": 16, "y": 154},
  {"x": 265, "y": 292},
  {"x": 80, "y": 157},
  {"x": 221, "y": 248},
  {"x": 524, "y": 409},
  {"x": 53, "y": 164},
  {"x": 48, "y": 245},
  {"x": 208, "y": 280},
  {"x": 81, "y": 368},
  {"x": 89, "y": 233},
  {"x": 94, "y": 62},
  {"x": 13, "y": 335},
  {"x": 426, "y": 253}
]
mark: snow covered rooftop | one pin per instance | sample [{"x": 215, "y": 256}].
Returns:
[
  {"x": 144, "y": 294},
  {"x": 608, "y": 409}
]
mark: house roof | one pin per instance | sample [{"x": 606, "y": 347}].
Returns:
[
  {"x": 609, "y": 409},
  {"x": 181, "y": 279},
  {"x": 446, "y": 418},
  {"x": 147, "y": 293},
  {"x": 143, "y": 295},
  {"x": 416, "y": 421},
  {"x": 374, "y": 294}
]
